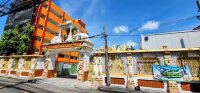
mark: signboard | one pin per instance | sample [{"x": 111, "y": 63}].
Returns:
[
  {"x": 62, "y": 45},
  {"x": 67, "y": 66},
  {"x": 172, "y": 73}
]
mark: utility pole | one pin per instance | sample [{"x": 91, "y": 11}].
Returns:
[{"x": 106, "y": 58}]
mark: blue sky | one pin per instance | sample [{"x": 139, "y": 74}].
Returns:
[{"x": 129, "y": 17}]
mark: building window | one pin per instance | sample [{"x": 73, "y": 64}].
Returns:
[
  {"x": 36, "y": 50},
  {"x": 146, "y": 38},
  {"x": 41, "y": 27},
  {"x": 52, "y": 21},
  {"x": 38, "y": 38},
  {"x": 45, "y": 6},
  {"x": 61, "y": 55},
  {"x": 43, "y": 16},
  {"x": 55, "y": 13}
]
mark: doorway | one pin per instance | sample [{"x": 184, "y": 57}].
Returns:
[{"x": 69, "y": 70}]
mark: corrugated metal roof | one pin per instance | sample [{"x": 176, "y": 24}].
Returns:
[
  {"x": 184, "y": 31},
  {"x": 181, "y": 39}
]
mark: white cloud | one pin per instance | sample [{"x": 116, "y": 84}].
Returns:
[
  {"x": 131, "y": 43},
  {"x": 121, "y": 29},
  {"x": 150, "y": 25}
]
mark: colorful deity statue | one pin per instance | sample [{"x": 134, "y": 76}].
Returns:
[
  {"x": 123, "y": 47},
  {"x": 102, "y": 49},
  {"x": 118, "y": 48},
  {"x": 114, "y": 48}
]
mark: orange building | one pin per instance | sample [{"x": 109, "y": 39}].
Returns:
[{"x": 48, "y": 16}]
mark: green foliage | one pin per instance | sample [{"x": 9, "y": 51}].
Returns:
[
  {"x": 25, "y": 39},
  {"x": 16, "y": 40},
  {"x": 132, "y": 48}
]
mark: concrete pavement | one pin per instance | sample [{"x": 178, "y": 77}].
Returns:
[{"x": 58, "y": 85}]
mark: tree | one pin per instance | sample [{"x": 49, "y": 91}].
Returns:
[
  {"x": 132, "y": 48},
  {"x": 9, "y": 41},
  {"x": 25, "y": 39},
  {"x": 16, "y": 40}
]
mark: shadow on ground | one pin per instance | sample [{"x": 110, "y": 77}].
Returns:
[{"x": 21, "y": 86}]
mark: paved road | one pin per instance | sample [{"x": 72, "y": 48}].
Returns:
[
  {"x": 53, "y": 85},
  {"x": 19, "y": 86}
]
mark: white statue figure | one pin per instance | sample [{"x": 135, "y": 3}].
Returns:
[
  {"x": 81, "y": 36},
  {"x": 70, "y": 36},
  {"x": 95, "y": 68},
  {"x": 57, "y": 39}
]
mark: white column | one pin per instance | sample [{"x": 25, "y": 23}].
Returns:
[{"x": 134, "y": 62}]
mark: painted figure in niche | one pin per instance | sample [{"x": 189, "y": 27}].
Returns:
[
  {"x": 130, "y": 68},
  {"x": 21, "y": 63},
  {"x": 32, "y": 67},
  {"x": 45, "y": 71},
  {"x": 120, "y": 64},
  {"x": 20, "y": 66},
  {"x": 95, "y": 68},
  {"x": 2, "y": 63},
  {"x": 138, "y": 68},
  {"x": 100, "y": 68},
  {"x": 10, "y": 63}
]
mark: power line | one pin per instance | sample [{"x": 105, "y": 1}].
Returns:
[
  {"x": 8, "y": 6},
  {"x": 181, "y": 19}
]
